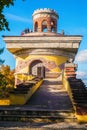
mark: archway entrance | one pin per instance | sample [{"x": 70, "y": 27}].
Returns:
[{"x": 36, "y": 68}]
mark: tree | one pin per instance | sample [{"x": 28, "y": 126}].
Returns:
[
  {"x": 7, "y": 80},
  {"x": 3, "y": 21},
  {"x": 1, "y": 51}
]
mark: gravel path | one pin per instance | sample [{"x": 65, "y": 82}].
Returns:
[{"x": 51, "y": 95}]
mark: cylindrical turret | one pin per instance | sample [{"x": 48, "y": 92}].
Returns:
[{"x": 45, "y": 20}]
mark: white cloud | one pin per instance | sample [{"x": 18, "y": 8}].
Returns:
[
  {"x": 81, "y": 73},
  {"x": 81, "y": 56},
  {"x": 18, "y": 18}
]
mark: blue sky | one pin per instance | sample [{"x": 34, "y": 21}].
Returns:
[{"x": 72, "y": 19}]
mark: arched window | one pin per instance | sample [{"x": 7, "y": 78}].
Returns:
[
  {"x": 44, "y": 26},
  {"x": 52, "y": 29},
  {"x": 36, "y": 27},
  {"x": 53, "y": 26}
]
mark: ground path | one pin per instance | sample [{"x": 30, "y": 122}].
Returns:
[{"x": 51, "y": 95}]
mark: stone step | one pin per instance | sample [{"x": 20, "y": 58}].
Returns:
[{"x": 9, "y": 115}]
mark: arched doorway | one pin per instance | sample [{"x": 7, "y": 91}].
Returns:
[{"x": 37, "y": 68}]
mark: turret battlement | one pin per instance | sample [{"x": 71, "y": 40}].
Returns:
[{"x": 45, "y": 10}]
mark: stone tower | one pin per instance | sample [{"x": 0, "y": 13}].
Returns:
[
  {"x": 45, "y": 20},
  {"x": 42, "y": 51}
]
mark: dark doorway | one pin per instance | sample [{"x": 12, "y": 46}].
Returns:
[
  {"x": 41, "y": 72},
  {"x": 36, "y": 68}
]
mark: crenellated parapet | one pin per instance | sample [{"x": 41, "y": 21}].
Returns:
[
  {"x": 45, "y": 19},
  {"x": 49, "y": 12}
]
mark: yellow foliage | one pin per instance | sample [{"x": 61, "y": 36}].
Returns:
[{"x": 7, "y": 79}]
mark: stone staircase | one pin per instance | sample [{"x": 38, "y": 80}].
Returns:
[
  {"x": 23, "y": 114},
  {"x": 49, "y": 103}
]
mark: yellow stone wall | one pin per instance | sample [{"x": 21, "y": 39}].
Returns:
[
  {"x": 21, "y": 99},
  {"x": 22, "y": 64},
  {"x": 5, "y": 102},
  {"x": 53, "y": 65}
]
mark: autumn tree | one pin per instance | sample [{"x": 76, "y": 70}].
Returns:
[
  {"x": 6, "y": 80},
  {"x": 3, "y": 21}
]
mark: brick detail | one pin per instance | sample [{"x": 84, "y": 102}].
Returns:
[
  {"x": 70, "y": 70},
  {"x": 61, "y": 66},
  {"x": 48, "y": 64},
  {"x": 51, "y": 23}
]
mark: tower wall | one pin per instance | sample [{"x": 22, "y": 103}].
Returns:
[
  {"x": 53, "y": 65},
  {"x": 45, "y": 20}
]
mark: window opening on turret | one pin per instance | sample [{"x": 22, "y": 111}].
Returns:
[
  {"x": 44, "y": 26},
  {"x": 52, "y": 29},
  {"x": 36, "y": 27},
  {"x": 53, "y": 26}
]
